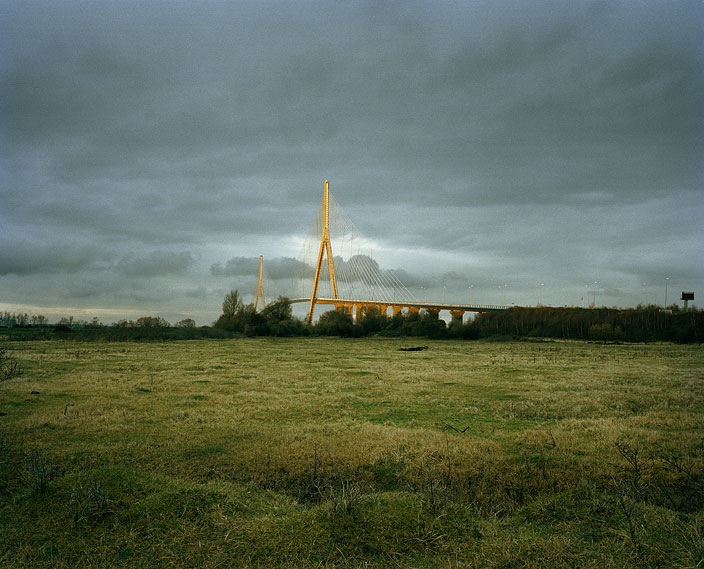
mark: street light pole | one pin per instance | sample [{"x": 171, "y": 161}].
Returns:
[{"x": 666, "y": 279}]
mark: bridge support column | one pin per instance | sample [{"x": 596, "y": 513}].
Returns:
[
  {"x": 434, "y": 312},
  {"x": 396, "y": 309},
  {"x": 457, "y": 315},
  {"x": 358, "y": 311},
  {"x": 413, "y": 309},
  {"x": 382, "y": 309}
]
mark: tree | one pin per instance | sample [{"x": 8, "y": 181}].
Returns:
[
  {"x": 278, "y": 310},
  {"x": 279, "y": 320},
  {"x": 38, "y": 320},
  {"x": 235, "y": 315},
  {"x": 232, "y": 304},
  {"x": 372, "y": 321},
  {"x": 151, "y": 322},
  {"x": 334, "y": 323},
  {"x": 186, "y": 323}
]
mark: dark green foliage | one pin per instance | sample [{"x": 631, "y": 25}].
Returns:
[
  {"x": 605, "y": 332},
  {"x": 236, "y": 316},
  {"x": 116, "y": 334},
  {"x": 372, "y": 322},
  {"x": 462, "y": 331},
  {"x": 278, "y": 311},
  {"x": 288, "y": 328},
  {"x": 279, "y": 321},
  {"x": 276, "y": 319},
  {"x": 642, "y": 324},
  {"x": 334, "y": 323},
  {"x": 232, "y": 304},
  {"x": 431, "y": 326}
]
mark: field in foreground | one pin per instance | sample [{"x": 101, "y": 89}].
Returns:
[{"x": 352, "y": 453}]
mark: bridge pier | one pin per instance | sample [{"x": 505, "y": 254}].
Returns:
[
  {"x": 457, "y": 315},
  {"x": 358, "y": 308},
  {"x": 343, "y": 307},
  {"x": 358, "y": 312}
]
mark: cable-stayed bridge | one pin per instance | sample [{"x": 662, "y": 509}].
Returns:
[{"x": 351, "y": 281}]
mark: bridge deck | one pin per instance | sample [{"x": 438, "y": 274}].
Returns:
[{"x": 404, "y": 304}]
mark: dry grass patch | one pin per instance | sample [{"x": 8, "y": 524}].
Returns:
[{"x": 331, "y": 452}]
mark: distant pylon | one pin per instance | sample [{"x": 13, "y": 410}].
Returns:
[
  {"x": 260, "y": 287},
  {"x": 325, "y": 248}
]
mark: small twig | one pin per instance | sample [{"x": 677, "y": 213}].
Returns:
[
  {"x": 448, "y": 427},
  {"x": 554, "y": 444},
  {"x": 683, "y": 470}
]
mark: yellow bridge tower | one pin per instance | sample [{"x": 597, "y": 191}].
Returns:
[
  {"x": 260, "y": 287},
  {"x": 325, "y": 249}
]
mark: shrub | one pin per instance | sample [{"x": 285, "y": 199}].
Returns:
[
  {"x": 334, "y": 323},
  {"x": 38, "y": 471},
  {"x": 605, "y": 332},
  {"x": 9, "y": 366},
  {"x": 87, "y": 501}
]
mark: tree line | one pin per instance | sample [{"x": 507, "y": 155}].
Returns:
[
  {"x": 24, "y": 320},
  {"x": 640, "y": 324}
]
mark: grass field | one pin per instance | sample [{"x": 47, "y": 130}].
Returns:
[{"x": 352, "y": 453}]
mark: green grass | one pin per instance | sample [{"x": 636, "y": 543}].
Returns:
[{"x": 350, "y": 453}]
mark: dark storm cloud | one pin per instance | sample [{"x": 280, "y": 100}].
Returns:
[
  {"x": 277, "y": 268},
  {"x": 356, "y": 268},
  {"x": 512, "y": 139},
  {"x": 155, "y": 263},
  {"x": 25, "y": 258}
]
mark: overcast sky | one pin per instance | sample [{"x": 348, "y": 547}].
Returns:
[{"x": 151, "y": 151}]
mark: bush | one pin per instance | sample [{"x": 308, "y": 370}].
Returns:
[
  {"x": 605, "y": 332},
  {"x": 9, "y": 366},
  {"x": 372, "y": 322},
  {"x": 334, "y": 323},
  {"x": 38, "y": 471}
]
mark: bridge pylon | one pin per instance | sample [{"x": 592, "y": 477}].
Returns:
[
  {"x": 325, "y": 249},
  {"x": 260, "y": 287}
]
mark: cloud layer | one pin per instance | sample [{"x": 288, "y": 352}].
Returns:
[{"x": 152, "y": 151}]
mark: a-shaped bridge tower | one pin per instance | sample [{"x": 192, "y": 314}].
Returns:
[{"x": 382, "y": 289}]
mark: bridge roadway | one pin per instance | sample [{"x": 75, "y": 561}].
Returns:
[{"x": 359, "y": 306}]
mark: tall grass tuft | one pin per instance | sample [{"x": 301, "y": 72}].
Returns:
[{"x": 38, "y": 471}]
